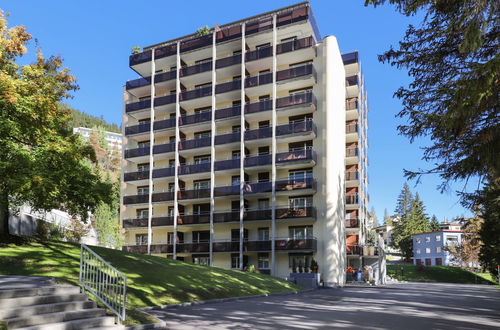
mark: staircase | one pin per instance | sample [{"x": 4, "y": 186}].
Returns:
[{"x": 30, "y": 302}]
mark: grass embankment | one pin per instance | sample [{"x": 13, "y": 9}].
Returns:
[
  {"x": 151, "y": 280},
  {"x": 445, "y": 274}
]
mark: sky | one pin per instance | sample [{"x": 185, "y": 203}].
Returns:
[{"x": 95, "y": 37}]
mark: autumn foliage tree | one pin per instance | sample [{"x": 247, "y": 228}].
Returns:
[{"x": 42, "y": 163}]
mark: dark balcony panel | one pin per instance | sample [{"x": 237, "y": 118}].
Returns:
[
  {"x": 138, "y": 222},
  {"x": 139, "y": 105},
  {"x": 226, "y": 246},
  {"x": 228, "y": 112},
  {"x": 351, "y": 152},
  {"x": 194, "y": 194},
  {"x": 259, "y": 80},
  {"x": 194, "y": 168},
  {"x": 258, "y": 187},
  {"x": 194, "y": 69},
  {"x": 136, "y": 129},
  {"x": 351, "y": 175},
  {"x": 259, "y": 160},
  {"x": 263, "y": 105},
  {"x": 140, "y": 58},
  {"x": 352, "y": 223},
  {"x": 295, "y": 184},
  {"x": 163, "y": 172},
  {"x": 192, "y": 248},
  {"x": 351, "y": 128},
  {"x": 227, "y": 190},
  {"x": 163, "y": 196},
  {"x": 290, "y": 46},
  {"x": 258, "y": 25},
  {"x": 351, "y": 199},
  {"x": 293, "y": 16},
  {"x": 256, "y": 246},
  {"x": 353, "y": 249},
  {"x": 351, "y": 104},
  {"x": 133, "y": 176},
  {"x": 221, "y": 217},
  {"x": 228, "y": 138},
  {"x": 139, "y": 249},
  {"x": 259, "y": 133},
  {"x": 166, "y": 51},
  {"x": 137, "y": 152},
  {"x": 296, "y": 244},
  {"x": 141, "y": 82},
  {"x": 350, "y": 58},
  {"x": 291, "y": 156},
  {"x": 135, "y": 199},
  {"x": 296, "y": 99},
  {"x": 296, "y": 127},
  {"x": 165, "y": 76},
  {"x": 228, "y": 164},
  {"x": 228, "y": 61},
  {"x": 295, "y": 72},
  {"x": 228, "y": 86},
  {"x": 196, "y": 42},
  {"x": 164, "y": 100},
  {"x": 259, "y": 53},
  {"x": 164, "y": 148},
  {"x": 195, "y": 143},
  {"x": 195, "y": 119},
  {"x": 164, "y": 124},
  {"x": 195, "y": 93},
  {"x": 256, "y": 215},
  {"x": 351, "y": 81},
  {"x": 194, "y": 219},
  {"x": 161, "y": 248},
  {"x": 228, "y": 33},
  {"x": 298, "y": 212}
]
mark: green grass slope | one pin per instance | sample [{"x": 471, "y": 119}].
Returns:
[
  {"x": 151, "y": 280},
  {"x": 445, "y": 274}
]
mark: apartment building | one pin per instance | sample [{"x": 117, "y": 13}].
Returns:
[
  {"x": 430, "y": 248},
  {"x": 113, "y": 139},
  {"x": 247, "y": 146}
]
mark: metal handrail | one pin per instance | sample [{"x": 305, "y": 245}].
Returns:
[{"x": 104, "y": 281}]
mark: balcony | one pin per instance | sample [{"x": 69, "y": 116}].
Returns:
[
  {"x": 164, "y": 124},
  {"x": 165, "y": 51},
  {"x": 259, "y": 80},
  {"x": 136, "y": 129},
  {"x": 164, "y": 148},
  {"x": 195, "y": 93},
  {"x": 352, "y": 223},
  {"x": 295, "y": 72},
  {"x": 163, "y": 196},
  {"x": 137, "y": 152},
  {"x": 228, "y": 61},
  {"x": 351, "y": 152},
  {"x": 351, "y": 81},
  {"x": 226, "y": 246},
  {"x": 258, "y": 25},
  {"x": 165, "y": 76},
  {"x": 370, "y": 251},
  {"x": 257, "y": 188},
  {"x": 165, "y": 100},
  {"x": 351, "y": 128},
  {"x": 228, "y": 138},
  {"x": 296, "y": 155},
  {"x": 351, "y": 175},
  {"x": 139, "y": 105},
  {"x": 350, "y": 58},
  {"x": 229, "y": 86},
  {"x": 301, "y": 99},
  {"x": 196, "y": 42},
  {"x": 143, "y": 57},
  {"x": 228, "y": 112},
  {"x": 136, "y": 83},
  {"x": 223, "y": 191},
  {"x": 293, "y": 45},
  {"x": 195, "y": 119},
  {"x": 195, "y": 69},
  {"x": 296, "y": 212},
  {"x": 259, "y": 53},
  {"x": 194, "y": 219},
  {"x": 135, "y": 176},
  {"x": 296, "y": 184},
  {"x": 228, "y": 164},
  {"x": 229, "y": 33},
  {"x": 353, "y": 250},
  {"x": 264, "y": 105},
  {"x": 288, "y": 244},
  {"x": 260, "y": 160},
  {"x": 296, "y": 128},
  {"x": 351, "y": 104},
  {"x": 163, "y": 172},
  {"x": 195, "y": 143},
  {"x": 143, "y": 249},
  {"x": 194, "y": 194},
  {"x": 201, "y": 247},
  {"x": 260, "y": 133},
  {"x": 194, "y": 168},
  {"x": 136, "y": 199},
  {"x": 351, "y": 199},
  {"x": 143, "y": 222}
]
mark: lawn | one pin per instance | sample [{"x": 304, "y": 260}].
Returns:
[
  {"x": 445, "y": 274},
  {"x": 151, "y": 280}
]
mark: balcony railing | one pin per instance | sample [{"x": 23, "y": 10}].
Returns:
[
  {"x": 165, "y": 51},
  {"x": 163, "y": 196},
  {"x": 295, "y": 72},
  {"x": 196, "y": 93},
  {"x": 143, "y": 222},
  {"x": 228, "y": 33},
  {"x": 259, "y": 133},
  {"x": 296, "y": 99},
  {"x": 290, "y": 46},
  {"x": 351, "y": 128},
  {"x": 194, "y": 168},
  {"x": 227, "y": 164},
  {"x": 194, "y": 194},
  {"x": 228, "y": 112},
  {"x": 140, "y": 58},
  {"x": 140, "y": 82},
  {"x": 164, "y": 148},
  {"x": 351, "y": 104},
  {"x": 136, "y": 129},
  {"x": 351, "y": 175},
  {"x": 228, "y": 138},
  {"x": 195, "y": 143},
  {"x": 350, "y": 58},
  {"x": 202, "y": 247},
  {"x": 296, "y": 244},
  {"x": 259, "y": 80},
  {"x": 228, "y": 61},
  {"x": 164, "y": 100},
  {"x": 196, "y": 42},
  {"x": 259, "y": 160},
  {"x": 257, "y": 188},
  {"x": 165, "y": 76},
  {"x": 295, "y": 184},
  {"x": 133, "y": 176},
  {"x": 259, "y": 25},
  {"x": 228, "y": 86},
  {"x": 164, "y": 172},
  {"x": 352, "y": 223},
  {"x": 227, "y": 190},
  {"x": 296, "y": 212},
  {"x": 351, "y": 81},
  {"x": 194, "y": 219},
  {"x": 296, "y": 127},
  {"x": 139, "y": 105},
  {"x": 164, "y": 124},
  {"x": 135, "y": 199},
  {"x": 353, "y": 250},
  {"x": 351, "y": 199},
  {"x": 351, "y": 152},
  {"x": 194, "y": 69},
  {"x": 137, "y": 152},
  {"x": 263, "y": 105},
  {"x": 296, "y": 155},
  {"x": 259, "y": 53},
  {"x": 195, "y": 119}
]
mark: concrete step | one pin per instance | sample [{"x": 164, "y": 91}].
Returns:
[
  {"x": 16, "y": 281},
  {"x": 39, "y": 300},
  {"x": 41, "y": 291},
  {"x": 64, "y": 316},
  {"x": 45, "y": 308},
  {"x": 114, "y": 327},
  {"x": 94, "y": 322}
]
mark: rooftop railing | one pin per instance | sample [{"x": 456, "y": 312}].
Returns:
[{"x": 196, "y": 68}]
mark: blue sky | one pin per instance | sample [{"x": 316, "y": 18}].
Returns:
[{"x": 95, "y": 37}]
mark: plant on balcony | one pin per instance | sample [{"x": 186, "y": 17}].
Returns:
[
  {"x": 314, "y": 266},
  {"x": 203, "y": 31},
  {"x": 136, "y": 50}
]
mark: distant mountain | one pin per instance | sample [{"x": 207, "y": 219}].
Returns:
[{"x": 81, "y": 119}]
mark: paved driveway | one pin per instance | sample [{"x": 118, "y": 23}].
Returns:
[{"x": 398, "y": 306}]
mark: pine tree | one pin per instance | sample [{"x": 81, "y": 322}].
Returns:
[
  {"x": 387, "y": 218},
  {"x": 403, "y": 208},
  {"x": 434, "y": 224}
]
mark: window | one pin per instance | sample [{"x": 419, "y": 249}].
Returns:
[
  {"x": 203, "y": 85},
  {"x": 201, "y": 184},
  {"x": 300, "y": 91},
  {"x": 438, "y": 249},
  {"x": 427, "y": 239},
  {"x": 141, "y": 239},
  {"x": 235, "y": 260},
  {"x": 428, "y": 262},
  {"x": 263, "y": 98},
  {"x": 263, "y": 261},
  {"x": 452, "y": 239},
  {"x": 236, "y": 103},
  {"x": 143, "y": 144},
  {"x": 202, "y": 110},
  {"x": 439, "y": 261},
  {"x": 144, "y": 167},
  {"x": 235, "y": 180},
  {"x": 263, "y": 177},
  {"x": 264, "y": 124},
  {"x": 205, "y": 60},
  {"x": 294, "y": 65},
  {"x": 171, "y": 186},
  {"x": 142, "y": 213},
  {"x": 299, "y": 260},
  {"x": 300, "y": 232},
  {"x": 201, "y": 135},
  {"x": 236, "y": 128},
  {"x": 236, "y": 154},
  {"x": 180, "y": 238},
  {"x": 202, "y": 236},
  {"x": 201, "y": 208},
  {"x": 419, "y": 262},
  {"x": 418, "y": 240},
  {"x": 427, "y": 250},
  {"x": 263, "y": 233},
  {"x": 202, "y": 159},
  {"x": 235, "y": 235},
  {"x": 289, "y": 39},
  {"x": 263, "y": 150},
  {"x": 143, "y": 190},
  {"x": 297, "y": 146},
  {"x": 299, "y": 175},
  {"x": 263, "y": 204},
  {"x": 141, "y": 122},
  {"x": 438, "y": 238},
  {"x": 300, "y": 118},
  {"x": 171, "y": 139},
  {"x": 267, "y": 44},
  {"x": 300, "y": 202},
  {"x": 418, "y": 251},
  {"x": 201, "y": 259}
]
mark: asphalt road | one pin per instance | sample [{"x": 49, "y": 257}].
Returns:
[{"x": 398, "y": 306}]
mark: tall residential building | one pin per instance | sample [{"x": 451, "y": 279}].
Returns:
[
  {"x": 246, "y": 145},
  {"x": 113, "y": 139}
]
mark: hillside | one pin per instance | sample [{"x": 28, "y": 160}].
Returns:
[
  {"x": 151, "y": 280},
  {"x": 81, "y": 119}
]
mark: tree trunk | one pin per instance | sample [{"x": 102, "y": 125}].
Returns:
[{"x": 4, "y": 213}]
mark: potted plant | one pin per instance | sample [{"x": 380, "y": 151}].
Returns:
[
  {"x": 314, "y": 266},
  {"x": 136, "y": 50}
]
